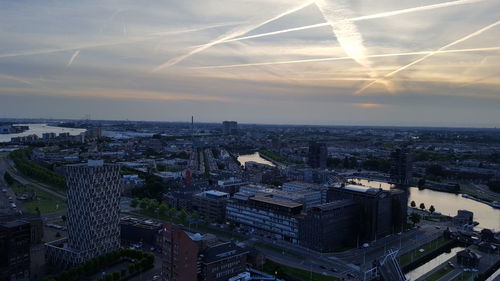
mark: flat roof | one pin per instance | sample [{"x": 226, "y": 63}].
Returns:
[
  {"x": 216, "y": 193},
  {"x": 274, "y": 201}
]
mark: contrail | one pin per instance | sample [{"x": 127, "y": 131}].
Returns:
[
  {"x": 228, "y": 36},
  {"x": 348, "y": 58},
  {"x": 73, "y": 57},
  {"x": 473, "y": 34},
  {"x": 337, "y": 14},
  {"x": 362, "y": 18},
  {"x": 17, "y": 79},
  {"x": 128, "y": 41}
]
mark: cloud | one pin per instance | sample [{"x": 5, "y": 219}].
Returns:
[
  {"x": 465, "y": 38},
  {"x": 234, "y": 33}
]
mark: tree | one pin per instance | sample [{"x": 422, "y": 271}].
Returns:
[
  {"x": 413, "y": 204},
  {"x": 432, "y": 209},
  {"x": 134, "y": 203},
  {"x": 415, "y": 218},
  {"x": 144, "y": 203},
  {"x": 422, "y": 206},
  {"x": 58, "y": 235},
  {"x": 37, "y": 210},
  {"x": 162, "y": 209}
]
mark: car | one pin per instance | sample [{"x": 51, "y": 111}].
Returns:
[
  {"x": 333, "y": 270},
  {"x": 322, "y": 267},
  {"x": 4, "y": 190},
  {"x": 350, "y": 275},
  {"x": 437, "y": 227},
  {"x": 366, "y": 245}
]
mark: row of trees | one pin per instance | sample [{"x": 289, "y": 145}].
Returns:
[
  {"x": 31, "y": 169},
  {"x": 422, "y": 207},
  {"x": 153, "y": 206},
  {"x": 141, "y": 261}
]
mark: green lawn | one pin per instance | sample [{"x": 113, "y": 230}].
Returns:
[
  {"x": 464, "y": 276},
  {"x": 46, "y": 203},
  {"x": 415, "y": 254},
  {"x": 277, "y": 250},
  {"x": 439, "y": 273},
  {"x": 283, "y": 271}
]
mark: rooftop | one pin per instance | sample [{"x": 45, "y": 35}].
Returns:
[{"x": 274, "y": 201}]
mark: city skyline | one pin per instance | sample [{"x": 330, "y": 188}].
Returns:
[{"x": 395, "y": 63}]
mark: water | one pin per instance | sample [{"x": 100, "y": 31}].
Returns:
[
  {"x": 428, "y": 266},
  {"x": 255, "y": 157},
  {"x": 447, "y": 203},
  {"x": 39, "y": 129}
]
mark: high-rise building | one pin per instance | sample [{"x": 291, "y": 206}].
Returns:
[
  {"x": 379, "y": 212},
  {"x": 15, "y": 250},
  {"x": 230, "y": 127},
  {"x": 329, "y": 226},
  {"x": 93, "y": 214},
  {"x": 318, "y": 153},
  {"x": 401, "y": 166}
]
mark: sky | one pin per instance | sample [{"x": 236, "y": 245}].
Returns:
[{"x": 320, "y": 62}]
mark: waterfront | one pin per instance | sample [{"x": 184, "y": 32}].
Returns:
[
  {"x": 255, "y": 157},
  {"x": 39, "y": 130},
  {"x": 430, "y": 265},
  {"x": 447, "y": 203}
]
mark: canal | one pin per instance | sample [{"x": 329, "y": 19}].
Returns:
[{"x": 447, "y": 203}]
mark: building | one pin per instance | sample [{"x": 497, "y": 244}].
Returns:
[
  {"x": 267, "y": 216},
  {"x": 401, "y": 166},
  {"x": 222, "y": 261},
  {"x": 329, "y": 227},
  {"x": 137, "y": 230},
  {"x": 230, "y": 127},
  {"x": 211, "y": 204},
  {"x": 379, "y": 212},
  {"x": 318, "y": 153},
  {"x": 179, "y": 252},
  {"x": 307, "y": 197},
  {"x": 93, "y": 214},
  {"x": 295, "y": 186},
  {"x": 15, "y": 250},
  {"x": 468, "y": 259},
  {"x": 463, "y": 217},
  {"x": 190, "y": 257},
  {"x": 230, "y": 185}
]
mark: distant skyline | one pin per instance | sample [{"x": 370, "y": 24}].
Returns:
[{"x": 322, "y": 62}]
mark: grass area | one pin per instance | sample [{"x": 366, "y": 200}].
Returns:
[
  {"x": 45, "y": 202},
  {"x": 277, "y": 250},
  {"x": 288, "y": 272},
  {"x": 415, "y": 254},
  {"x": 439, "y": 273},
  {"x": 464, "y": 276}
]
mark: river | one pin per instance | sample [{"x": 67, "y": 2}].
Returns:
[
  {"x": 447, "y": 203},
  {"x": 39, "y": 129},
  {"x": 255, "y": 157}
]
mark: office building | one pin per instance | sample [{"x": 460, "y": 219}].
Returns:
[
  {"x": 222, "y": 261},
  {"x": 230, "y": 127},
  {"x": 138, "y": 230},
  {"x": 265, "y": 215},
  {"x": 190, "y": 257},
  {"x": 93, "y": 214},
  {"x": 318, "y": 153},
  {"x": 329, "y": 226},
  {"x": 15, "y": 250},
  {"x": 401, "y": 166},
  {"x": 211, "y": 204},
  {"x": 379, "y": 212}
]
